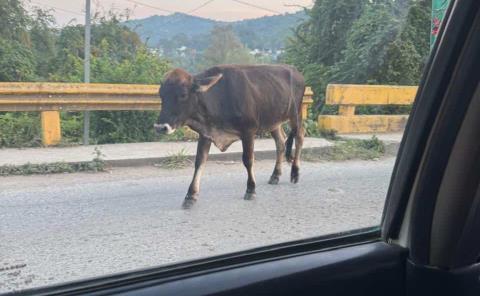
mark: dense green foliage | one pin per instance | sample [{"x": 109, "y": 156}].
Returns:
[
  {"x": 19, "y": 129},
  {"x": 336, "y": 41},
  {"x": 375, "y": 42},
  {"x": 31, "y": 49}
]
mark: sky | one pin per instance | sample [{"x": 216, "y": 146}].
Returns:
[{"x": 65, "y": 11}]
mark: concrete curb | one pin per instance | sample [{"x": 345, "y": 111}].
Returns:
[
  {"x": 144, "y": 158},
  {"x": 391, "y": 149},
  {"x": 225, "y": 156}
]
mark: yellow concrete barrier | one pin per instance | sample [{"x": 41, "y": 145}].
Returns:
[
  {"x": 348, "y": 96},
  {"x": 50, "y": 98}
]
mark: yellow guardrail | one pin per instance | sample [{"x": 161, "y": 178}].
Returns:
[
  {"x": 20, "y": 96},
  {"x": 348, "y": 96},
  {"x": 51, "y": 98}
]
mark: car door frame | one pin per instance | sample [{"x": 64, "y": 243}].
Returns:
[{"x": 341, "y": 263}]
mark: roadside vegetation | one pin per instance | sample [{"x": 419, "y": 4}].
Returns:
[
  {"x": 361, "y": 42},
  {"x": 97, "y": 164},
  {"x": 348, "y": 149},
  {"x": 343, "y": 149},
  {"x": 175, "y": 161}
]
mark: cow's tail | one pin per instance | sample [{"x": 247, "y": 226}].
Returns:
[{"x": 289, "y": 144}]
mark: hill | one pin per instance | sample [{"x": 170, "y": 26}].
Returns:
[{"x": 180, "y": 29}]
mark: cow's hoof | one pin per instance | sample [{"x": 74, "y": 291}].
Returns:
[
  {"x": 295, "y": 174},
  {"x": 294, "y": 179},
  {"x": 274, "y": 180},
  {"x": 249, "y": 196},
  {"x": 188, "y": 203}
]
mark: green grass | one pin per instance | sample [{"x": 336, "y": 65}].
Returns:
[
  {"x": 97, "y": 164},
  {"x": 175, "y": 161},
  {"x": 349, "y": 149}
]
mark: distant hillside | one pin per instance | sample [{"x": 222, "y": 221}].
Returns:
[{"x": 179, "y": 29}]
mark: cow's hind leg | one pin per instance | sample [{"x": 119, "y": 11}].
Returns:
[
  {"x": 248, "y": 159},
  {"x": 277, "y": 135},
  {"x": 295, "y": 174},
  {"x": 203, "y": 148},
  {"x": 297, "y": 131}
]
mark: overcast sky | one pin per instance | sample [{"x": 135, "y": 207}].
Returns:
[{"x": 226, "y": 10}]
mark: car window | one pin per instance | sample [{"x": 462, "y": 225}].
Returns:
[{"x": 165, "y": 132}]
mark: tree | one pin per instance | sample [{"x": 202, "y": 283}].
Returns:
[
  {"x": 118, "y": 56},
  {"x": 14, "y": 21},
  {"x": 32, "y": 49},
  {"x": 322, "y": 38},
  {"x": 43, "y": 38},
  {"x": 17, "y": 62},
  {"x": 366, "y": 45},
  {"x": 406, "y": 56},
  {"x": 225, "y": 48},
  {"x": 318, "y": 44},
  {"x": 366, "y": 41}
]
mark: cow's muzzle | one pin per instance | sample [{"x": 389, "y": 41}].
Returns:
[{"x": 163, "y": 128}]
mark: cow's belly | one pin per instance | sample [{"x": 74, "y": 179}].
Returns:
[{"x": 222, "y": 140}]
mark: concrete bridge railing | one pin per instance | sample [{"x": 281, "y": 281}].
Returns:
[
  {"x": 348, "y": 96},
  {"x": 51, "y": 98}
]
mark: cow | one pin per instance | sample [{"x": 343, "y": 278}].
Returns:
[{"x": 227, "y": 103}]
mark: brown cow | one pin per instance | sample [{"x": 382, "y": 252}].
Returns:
[{"x": 235, "y": 102}]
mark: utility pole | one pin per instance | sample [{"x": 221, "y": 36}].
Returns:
[
  {"x": 86, "y": 71},
  {"x": 438, "y": 12}
]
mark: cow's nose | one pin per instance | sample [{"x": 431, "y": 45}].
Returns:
[
  {"x": 160, "y": 128},
  {"x": 163, "y": 128}
]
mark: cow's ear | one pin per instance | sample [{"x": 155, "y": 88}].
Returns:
[{"x": 204, "y": 84}]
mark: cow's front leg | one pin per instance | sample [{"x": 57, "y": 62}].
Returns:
[
  {"x": 203, "y": 148},
  {"x": 248, "y": 159}
]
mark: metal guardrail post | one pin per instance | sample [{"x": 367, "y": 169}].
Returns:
[{"x": 86, "y": 114}]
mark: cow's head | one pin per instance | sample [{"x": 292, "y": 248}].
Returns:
[{"x": 178, "y": 93}]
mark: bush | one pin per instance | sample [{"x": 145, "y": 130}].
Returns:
[
  {"x": 373, "y": 144},
  {"x": 20, "y": 129},
  {"x": 72, "y": 127},
  {"x": 349, "y": 149},
  {"x": 112, "y": 127}
]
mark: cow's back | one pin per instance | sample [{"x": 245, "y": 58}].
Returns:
[{"x": 256, "y": 96}]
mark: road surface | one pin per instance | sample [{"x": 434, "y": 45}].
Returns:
[{"x": 72, "y": 226}]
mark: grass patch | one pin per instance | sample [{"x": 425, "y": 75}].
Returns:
[
  {"x": 175, "y": 161},
  {"x": 312, "y": 129},
  {"x": 97, "y": 164},
  {"x": 370, "y": 149}
]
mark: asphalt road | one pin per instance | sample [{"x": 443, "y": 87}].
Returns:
[{"x": 66, "y": 227}]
